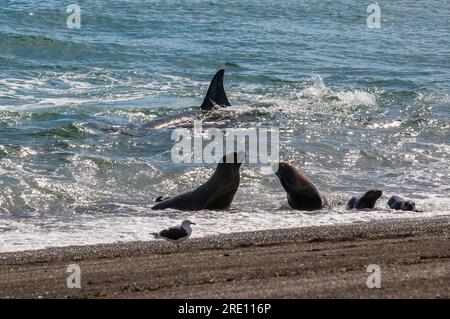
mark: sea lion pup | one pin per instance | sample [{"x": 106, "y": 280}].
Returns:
[
  {"x": 368, "y": 200},
  {"x": 301, "y": 192},
  {"x": 399, "y": 203},
  {"x": 216, "y": 193}
]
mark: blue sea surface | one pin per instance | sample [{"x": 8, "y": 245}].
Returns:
[{"x": 357, "y": 108}]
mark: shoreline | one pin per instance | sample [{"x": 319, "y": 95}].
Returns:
[{"x": 307, "y": 262}]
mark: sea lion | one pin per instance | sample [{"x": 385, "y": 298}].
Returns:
[
  {"x": 301, "y": 192},
  {"x": 399, "y": 203},
  {"x": 368, "y": 200},
  {"x": 216, "y": 193}
]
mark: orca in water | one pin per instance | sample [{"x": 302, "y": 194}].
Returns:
[
  {"x": 216, "y": 95},
  {"x": 210, "y": 110}
]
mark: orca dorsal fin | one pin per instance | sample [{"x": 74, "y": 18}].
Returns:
[{"x": 216, "y": 93}]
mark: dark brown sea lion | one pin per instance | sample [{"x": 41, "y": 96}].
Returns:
[
  {"x": 216, "y": 193},
  {"x": 368, "y": 200},
  {"x": 301, "y": 192}
]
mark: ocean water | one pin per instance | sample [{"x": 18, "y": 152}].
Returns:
[{"x": 357, "y": 108}]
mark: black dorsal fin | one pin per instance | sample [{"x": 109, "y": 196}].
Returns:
[{"x": 216, "y": 94}]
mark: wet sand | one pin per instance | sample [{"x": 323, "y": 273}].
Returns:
[{"x": 310, "y": 262}]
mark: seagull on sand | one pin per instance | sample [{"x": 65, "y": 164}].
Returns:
[{"x": 176, "y": 234}]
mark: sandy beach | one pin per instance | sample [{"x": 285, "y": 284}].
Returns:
[{"x": 310, "y": 262}]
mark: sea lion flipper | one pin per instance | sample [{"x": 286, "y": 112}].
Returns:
[{"x": 216, "y": 95}]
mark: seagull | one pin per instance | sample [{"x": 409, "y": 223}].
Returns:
[{"x": 176, "y": 234}]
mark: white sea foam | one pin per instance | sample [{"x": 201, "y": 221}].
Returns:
[
  {"x": 318, "y": 90},
  {"x": 84, "y": 230}
]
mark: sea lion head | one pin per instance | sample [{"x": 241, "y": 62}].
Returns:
[
  {"x": 374, "y": 193},
  {"x": 281, "y": 167},
  {"x": 227, "y": 171},
  {"x": 233, "y": 159},
  {"x": 408, "y": 205},
  {"x": 287, "y": 174},
  {"x": 369, "y": 199}
]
